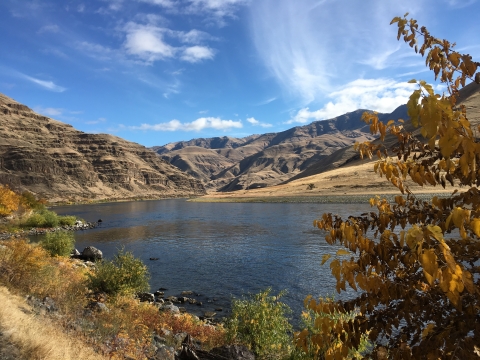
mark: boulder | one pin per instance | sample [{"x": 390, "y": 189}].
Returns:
[
  {"x": 145, "y": 296},
  {"x": 170, "y": 307},
  {"x": 92, "y": 253},
  {"x": 164, "y": 353}
]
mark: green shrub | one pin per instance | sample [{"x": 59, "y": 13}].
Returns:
[
  {"x": 122, "y": 275},
  {"x": 51, "y": 218},
  {"x": 260, "y": 322},
  {"x": 59, "y": 243},
  {"x": 67, "y": 220},
  {"x": 34, "y": 220},
  {"x": 48, "y": 219}
]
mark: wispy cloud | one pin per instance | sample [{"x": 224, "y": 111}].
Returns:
[
  {"x": 197, "y": 53},
  {"x": 268, "y": 101},
  {"x": 196, "y": 125},
  {"x": 255, "y": 122},
  {"x": 46, "y": 84},
  {"x": 49, "y": 29},
  {"x": 382, "y": 95},
  {"x": 311, "y": 47},
  {"x": 48, "y": 111},
  {"x": 95, "y": 122},
  {"x": 148, "y": 43}
]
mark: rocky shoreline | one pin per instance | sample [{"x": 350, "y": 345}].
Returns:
[{"x": 79, "y": 225}]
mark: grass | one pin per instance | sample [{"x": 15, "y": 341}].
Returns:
[{"x": 30, "y": 337}]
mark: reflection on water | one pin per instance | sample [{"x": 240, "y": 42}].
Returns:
[{"x": 219, "y": 249}]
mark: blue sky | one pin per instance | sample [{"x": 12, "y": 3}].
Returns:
[{"x": 158, "y": 71}]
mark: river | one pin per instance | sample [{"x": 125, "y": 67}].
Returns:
[{"x": 219, "y": 250}]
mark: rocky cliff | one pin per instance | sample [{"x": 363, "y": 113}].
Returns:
[{"x": 57, "y": 162}]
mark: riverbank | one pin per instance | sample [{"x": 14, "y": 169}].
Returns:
[
  {"x": 315, "y": 199},
  {"x": 21, "y": 233}
]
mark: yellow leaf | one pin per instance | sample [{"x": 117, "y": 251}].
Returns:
[
  {"x": 325, "y": 258},
  {"x": 475, "y": 226},
  {"x": 342, "y": 252},
  {"x": 427, "y": 330}
]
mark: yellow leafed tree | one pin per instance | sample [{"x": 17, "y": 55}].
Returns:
[
  {"x": 9, "y": 201},
  {"x": 415, "y": 262}
]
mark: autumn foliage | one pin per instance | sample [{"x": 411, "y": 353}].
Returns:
[
  {"x": 9, "y": 201},
  {"x": 414, "y": 262}
]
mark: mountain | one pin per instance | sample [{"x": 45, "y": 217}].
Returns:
[
  {"x": 57, "y": 162},
  {"x": 469, "y": 96},
  {"x": 227, "y": 164}
]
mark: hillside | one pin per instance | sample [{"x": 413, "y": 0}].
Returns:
[
  {"x": 57, "y": 162},
  {"x": 257, "y": 161},
  {"x": 343, "y": 173}
]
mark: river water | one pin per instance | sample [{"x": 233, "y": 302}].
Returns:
[{"x": 219, "y": 250}]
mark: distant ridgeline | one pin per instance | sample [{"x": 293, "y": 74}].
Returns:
[{"x": 228, "y": 164}]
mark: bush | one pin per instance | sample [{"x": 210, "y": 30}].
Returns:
[
  {"x": 124, "y": 275},
  {"x": 260, "y": 322},
  {"x": 67, "y": 220},
  {"x": 59, "y": 243}
]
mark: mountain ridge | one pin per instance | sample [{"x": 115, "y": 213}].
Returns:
[{"x": 55, "y": 161}]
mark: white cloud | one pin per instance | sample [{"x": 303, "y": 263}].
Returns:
[
  {"x": 268, "y": 101},
  {"x": 49, "y": 85},
  {"x": 48, "y": 111},
  {"x": 97, "y": 51},
  {"x": 95, "y": 122},
  {"x": 218, "y": 8},
  {"x": 196, "y": 125},
  {"x": 311, "y": 47},
  {"x": 382, "y": 95},
  {"x": 49, "y": 29},
  {"x": 147, "y": 43},
  {"x": 255, "y": 122},
  {"x": 163, "y": 3},
  {"x": 194, "y": 36},
  {"x": 197, "y": 53},
  {"x": 81, "y": 8}
]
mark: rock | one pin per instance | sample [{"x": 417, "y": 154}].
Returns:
[
  {"x": 162, "y": 289},
  {"x": 182, "y": 310},
  {"x": 218, "y": 309},
  {"x": 183, "y": 299},
  {"x": 75, "y": 253},
  {"x": 179, "y": 337},
  {"x": 154, "y": 258},
  {"x": 192, "y": 301},
  {"x": 232, "y": 352},
  {"x": 99, "y": 220},
  {"x": 170, "y": 307},
  {"x": 173, "y": 299},
  {"x": 158, "y": 294},
  {"x": 146, "y": 297},
  {"x": 185, "y": 293},
  {"x": 159, "y": 301},
  {"x": 209, "y": 314},
  {"x": 92, "y": 253},
  {"x": 164, "y": 353},
  {"x": 100, "y": 307},
  {"x": 159, "y": 340},
  {"x": 49, "y": 304}
]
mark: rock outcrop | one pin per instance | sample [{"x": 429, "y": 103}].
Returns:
[{"x": 57, "y": 162}]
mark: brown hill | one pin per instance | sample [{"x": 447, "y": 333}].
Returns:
[
  {"x": 257, "y": 161},
  {"x": 469, "y": 96},
  {"x": 55, "y": 161}
]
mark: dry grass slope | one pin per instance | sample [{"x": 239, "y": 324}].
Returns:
[{"x": 24, "y": 336}]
